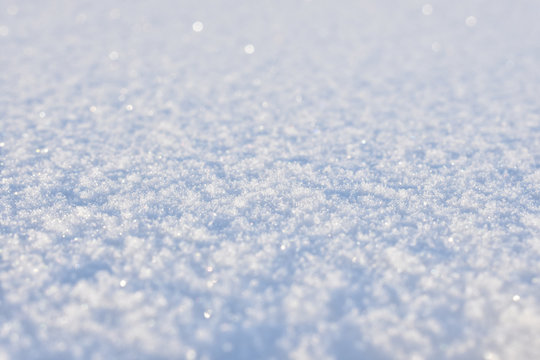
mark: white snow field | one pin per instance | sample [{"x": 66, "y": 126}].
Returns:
[{"x": 281, "y": 179}]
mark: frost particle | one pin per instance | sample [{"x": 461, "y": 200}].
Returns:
[
  {"x": 427, "y": 9},
  {"x": 249, "y": 49},
  {"x": 471, "y": 21},
  {"x": 198, "y": 26}
]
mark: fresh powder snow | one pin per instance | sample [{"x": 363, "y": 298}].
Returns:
[{"x": 282, "y": 179}]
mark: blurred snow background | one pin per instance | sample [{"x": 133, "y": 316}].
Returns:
[{"x": 269, "y": 179}]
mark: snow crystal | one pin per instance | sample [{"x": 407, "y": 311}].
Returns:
[{"x": 198, "y": 26}]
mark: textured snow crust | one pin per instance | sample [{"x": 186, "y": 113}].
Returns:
[{"x": 269, "y": 179}]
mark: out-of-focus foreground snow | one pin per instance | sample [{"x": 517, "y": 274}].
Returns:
[{"x": 269, "y": 179}]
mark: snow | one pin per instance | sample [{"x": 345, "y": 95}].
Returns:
[{"x": 269, "y": 179}]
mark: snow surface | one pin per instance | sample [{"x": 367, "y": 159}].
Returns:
[{"x": 269, "y": 179}]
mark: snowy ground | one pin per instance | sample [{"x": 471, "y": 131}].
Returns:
[{"x": 269, "y": 179}]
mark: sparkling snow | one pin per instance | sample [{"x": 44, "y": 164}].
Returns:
[{"x": 269, "y": 179}]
